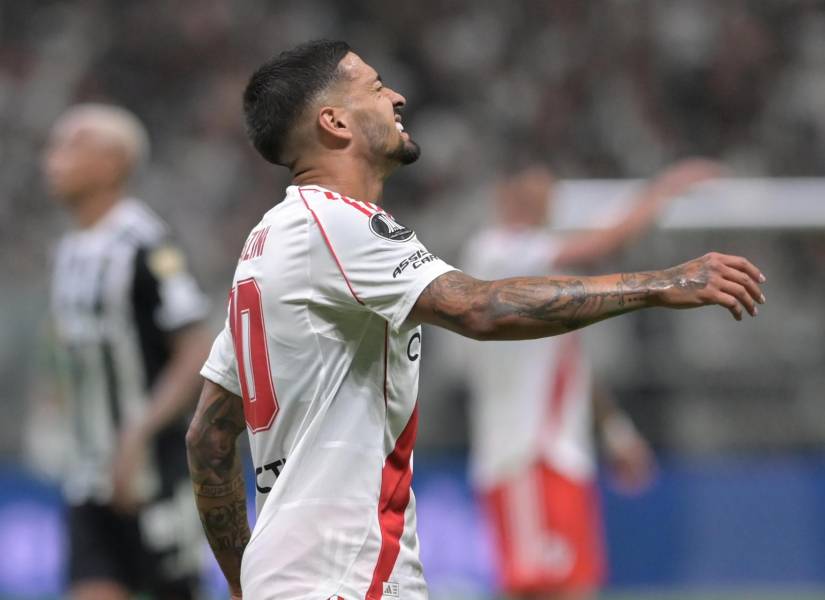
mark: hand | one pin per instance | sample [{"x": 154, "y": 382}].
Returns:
[
  {"x": 721, "y": 279},
  {"x": 632, "y": 464},
  {"x": 130, "y": 458},
  {"x": 683, "y": 175}
]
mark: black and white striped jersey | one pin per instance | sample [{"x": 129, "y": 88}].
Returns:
[{"x": 119, "y": 289}]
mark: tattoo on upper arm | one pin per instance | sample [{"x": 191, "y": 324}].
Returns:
[{"x": 453, "y": 296}]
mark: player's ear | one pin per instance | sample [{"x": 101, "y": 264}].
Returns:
[{"x": 335, "y": 126}]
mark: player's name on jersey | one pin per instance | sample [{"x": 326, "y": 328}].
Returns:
[{"x": 254, "y": 246}]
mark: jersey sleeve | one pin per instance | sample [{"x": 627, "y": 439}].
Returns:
[
  {"x": 162, "y": 277},
  {"x": 221, "y": 367},
  {"x": 371, "y": 259}
]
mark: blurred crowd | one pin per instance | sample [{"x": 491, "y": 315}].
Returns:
[
  {"x": 614, "y": 88},
  {"x": 598, "y": 89}
]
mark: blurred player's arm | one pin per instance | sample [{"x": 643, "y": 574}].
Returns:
[
  {"x": 628, "y": 454},
  {"x": 588, "y": 247},
  {"x": 215, "y": 469},
  {"x": 533, "y": 307},
  {"x": 172, "y": 396}
]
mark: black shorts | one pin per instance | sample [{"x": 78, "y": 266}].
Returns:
[{"x": 104, "y": 544}]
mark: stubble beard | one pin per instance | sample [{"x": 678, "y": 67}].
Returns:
[{"x": 405, "y": 152}]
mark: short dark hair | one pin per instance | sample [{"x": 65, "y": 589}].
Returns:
[{"x": 280, "y": 90}]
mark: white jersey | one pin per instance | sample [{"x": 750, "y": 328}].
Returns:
[
  {"x": 531, "y": 399},
  {"x": 318, "y": 345},
  {"x": 118, "y": 291}
]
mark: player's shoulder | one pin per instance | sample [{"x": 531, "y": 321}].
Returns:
[
  {"x": 138, "y": 223},
  {"x": 327, "y": 202},
  {"x": 339, "y": 214}
]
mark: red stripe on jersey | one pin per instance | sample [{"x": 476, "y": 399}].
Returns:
[
  {"x": 331, "y": 249},
  {"x": 566, "y": 365},
  {"x": 356, "y": 204},
  {"x": 395, "y": 495}
]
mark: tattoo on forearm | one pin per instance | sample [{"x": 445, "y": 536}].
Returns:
[
  {"x": 226, "y": 526},
  {"x": 215, "y": 470},
  {"x": 558, "y": 304},
  {"x": 210, "y": 490}
]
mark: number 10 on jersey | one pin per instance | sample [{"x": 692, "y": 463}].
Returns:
[{"x": 246, "y": 321}]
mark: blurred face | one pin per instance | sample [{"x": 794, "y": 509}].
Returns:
[
  {"x": 80, "y": 160},
  {"x": 524, "y": 199},
  {"x": 377, "y": 113}
]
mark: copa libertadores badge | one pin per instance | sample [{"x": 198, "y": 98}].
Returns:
[{"x": 384, "y": 226}]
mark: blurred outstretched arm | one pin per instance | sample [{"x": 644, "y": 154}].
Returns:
[{"x": 582, "y": 249}]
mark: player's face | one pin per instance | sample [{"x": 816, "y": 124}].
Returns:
[
  {"x": 78, "y": 161},
  {"x": 377, "y": 112},
  {"x": 525, "y": 200}
]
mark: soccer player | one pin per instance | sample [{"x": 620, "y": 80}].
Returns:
[
  {"x": 128, "y": 323},
  {"x": 319, "y": 357},
  {"x": 534, "y": 402}
]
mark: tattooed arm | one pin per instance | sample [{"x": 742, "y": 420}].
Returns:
[
  {"x": 533, "y": 307},
  {"x": 215, "y": 469}
]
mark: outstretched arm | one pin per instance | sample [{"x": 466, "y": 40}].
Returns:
[
  {"x": 215, "y": 469},
  {"x": 533, "y": 307},
  {"x": 588, "y": 247}
]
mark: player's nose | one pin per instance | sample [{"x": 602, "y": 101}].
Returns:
[{"x": 397, "y": 99}]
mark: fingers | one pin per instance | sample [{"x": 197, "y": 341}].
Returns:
[
  {"x": 739, "y": 279},
  {"x": 741, "y": 293},
  {"x": 745, "y": 280},
  {"x": 731, "y": 303},
  {"x": 744, "y": 265}
]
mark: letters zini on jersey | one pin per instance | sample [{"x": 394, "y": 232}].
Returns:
[{"x": 416, "y": 259}]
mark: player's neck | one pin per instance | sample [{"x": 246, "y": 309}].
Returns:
[
  {"x": 92, "y": 207},
  {"x": 346, "y": 176}
]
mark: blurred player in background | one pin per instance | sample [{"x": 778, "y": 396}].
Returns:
[
  {"x": 128, "y": 324},
  {"x": 319, "y": 357},
  {"x": 534, "y": 402}
]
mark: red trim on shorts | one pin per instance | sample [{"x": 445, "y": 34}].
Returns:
[
  {"x": 329, "y": 245},
  {"x": 396, "y": 478},
  {"x": 567, "y": 510}
]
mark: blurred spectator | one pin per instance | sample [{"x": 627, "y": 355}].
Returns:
[{"x": 606, "y": 89}]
